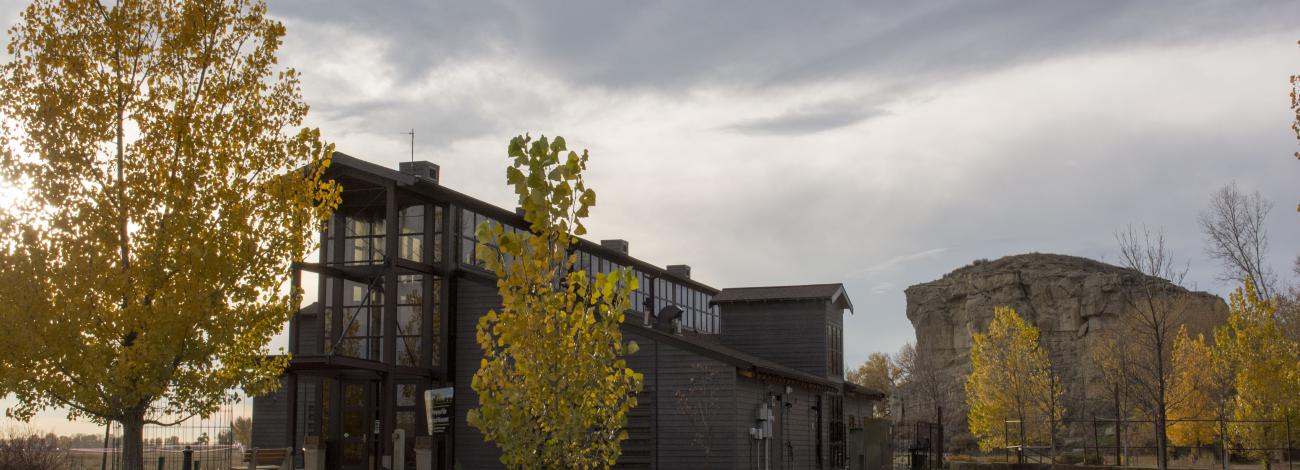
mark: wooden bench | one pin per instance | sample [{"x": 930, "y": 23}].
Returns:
[{"x": 280, "y": 458}]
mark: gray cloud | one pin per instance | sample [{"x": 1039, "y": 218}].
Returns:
[
  {"x": 668, "y": 45},
  {"x": 810, "y": 120}
]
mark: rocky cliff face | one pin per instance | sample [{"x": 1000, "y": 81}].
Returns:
[{"x": 1070, "y": 300}]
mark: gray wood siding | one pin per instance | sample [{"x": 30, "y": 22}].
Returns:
[
  {"x": 792, "y": 442},
  {"x": 310, "y": 329},
  {"x": 639, "y": 448},
  {"x": 473, "y": 299},
  {"x": 835, "y": 316},
  {"x": 697, "y": 421},
  {"x": 859, "y": 407},
  {"x": 792, "y": 334},
  {"x": 270, "y": 418}
]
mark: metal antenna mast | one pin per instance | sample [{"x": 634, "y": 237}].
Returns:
[{"x": 412, "y": 134}]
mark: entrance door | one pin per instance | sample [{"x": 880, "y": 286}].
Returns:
[{"x": 358, "y": 418}]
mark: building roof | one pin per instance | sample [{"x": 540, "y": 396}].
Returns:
[
  {"x": 731, "y": 356},
  {"x": 432, "y": 188},
  {"x": 829, "y": 292},
  {"x": 851, "y": 387}
]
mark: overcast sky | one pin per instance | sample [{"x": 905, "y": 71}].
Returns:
[
  {"x": 878, "y": 145},
  {"x": 875, "y": 145}
]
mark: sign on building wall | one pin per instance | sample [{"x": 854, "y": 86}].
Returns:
[{"x": 437, "y": 405}]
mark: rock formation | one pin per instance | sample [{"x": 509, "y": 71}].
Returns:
[{"x": 1070, "y": 300}]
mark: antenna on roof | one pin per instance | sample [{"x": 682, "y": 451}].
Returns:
[{"x": 412, "y": 134}]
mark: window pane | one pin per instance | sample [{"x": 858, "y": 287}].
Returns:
[
  {"x": 412, "y": 219},
  {"x": 409, "y": 289},
  {"x": 412, "y": 247},
  {"x": 467, "y": 223},
  {"x": 357, "y": 227},
  {"x": 435, "y": 326}
]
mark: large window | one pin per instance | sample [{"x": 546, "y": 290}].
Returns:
[
  {"x": 697, "y": 315},
  {"x": 834, "y": 350},
  {"x": 469, "y": 221},
  {"x": 412, "y": 237},
  {"x": 407, "y": 406},
  {"x": 437, "y": 234},
  {"x": 363, "y": 320},
  {"x": 435, "y": 321},
  {"x": 639, "y": 295},
  {"x": 593, "y": 264},
  {"x": 410, "y": 319},
  {"x": 363, "y": 239},
  {"x": 410, "y": 240},
  {"x": 327, "y": 316},
  {"x": 837, "y": 431},
  {"x": 412, "y": 307}
]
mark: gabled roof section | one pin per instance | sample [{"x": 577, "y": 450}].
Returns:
[
  {"x": 728, "y": 355},
  {"x": 431, "y": 188},
  {"x": 864, "y": 391},
  {"x": 833, "y": 293},
  {"x": 402, "y": 179}
]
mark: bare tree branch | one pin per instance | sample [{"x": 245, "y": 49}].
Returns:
[{"x": 1234, "y": 235}]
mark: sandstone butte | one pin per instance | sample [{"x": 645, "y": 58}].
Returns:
[{"x": 1070, "y": 299}]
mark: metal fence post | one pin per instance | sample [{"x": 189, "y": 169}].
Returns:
[
  {"x": 1119, "y": 424},
  {"x": 1006, "y": 443},
  {"x": 1288, "y": 441},
  {"x": 1223, "y": 440},
  {"x": 1096, "y": 442},
  {"x": 939, "y": 441},
  {"x": 1020, "y": 455},
  {"x": 187, "y": 458}
]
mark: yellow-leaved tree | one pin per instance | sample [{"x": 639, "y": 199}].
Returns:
[
  {"x": 1267, "y": 366},
  {"x": 1295, "y": 127},
  {"x": 167, "y": 187},
  {"x": 1204, "y": 379},
  {"x": 554, "y": 387},
  {"x": 1013, "y": 394},
  {"x": 878, "y": 373}
]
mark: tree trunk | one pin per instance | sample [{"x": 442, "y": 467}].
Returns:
[
  {"x": 1162, "y": 443},
  {"x": 1020, "y": 454},
  {"x": 133, "y": 440}
]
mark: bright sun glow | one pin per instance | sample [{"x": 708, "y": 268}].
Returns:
[{"x": 10, "y": 194}]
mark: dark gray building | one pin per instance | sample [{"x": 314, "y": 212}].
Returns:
[{"x": 733, "y": 378}]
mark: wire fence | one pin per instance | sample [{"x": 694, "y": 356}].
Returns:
[
  {"x": 213, "y": 442},
  {"x": 1192, "y": 443},
  {"x": 917, "y": 445}
]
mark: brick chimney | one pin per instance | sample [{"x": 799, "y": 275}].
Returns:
[
  {"x": 420, "y": 169},
  {"x": 616, "y": 245}
]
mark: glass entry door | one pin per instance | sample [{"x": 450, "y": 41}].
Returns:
[{"x": 358, "y": 416}]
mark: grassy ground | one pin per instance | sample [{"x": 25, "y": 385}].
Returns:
[
  {"x": 1207, "y": 462},
  {"x": 213, "y": 459}
]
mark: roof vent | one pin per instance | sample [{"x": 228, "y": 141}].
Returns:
[
  {"x": 680, "y": 270},
  {"x": 421, "y": 169},
  {"x": 616, "y": 245},
  {"x": 669, "y": 319}
]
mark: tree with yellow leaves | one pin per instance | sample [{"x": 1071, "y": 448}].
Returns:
[
  {"x": 1295, "y": 126},
  {"x": 1204, "y": 379},
  {"x": 1011, "y": 379},
  {"x": 1267, "y": 365},
  {"x": 878, "y": 373},
  {"x": 167, "y": 190},
  {"x": 554, "y": 387}
]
